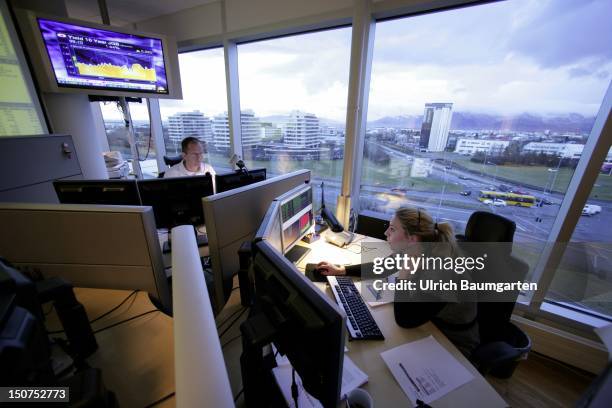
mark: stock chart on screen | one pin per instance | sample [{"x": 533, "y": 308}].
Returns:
[{"x": 89, "y": 57}]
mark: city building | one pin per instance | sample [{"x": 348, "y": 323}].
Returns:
[
  {"x": 183, "y": 124},
  {"x": 251, "y": 134},
  {"x": 221, "y": 133},
  {"x": 302, "y": 131},
  {"x": 435, "y": 127},
  {"x": 471, "y": 146},
  {"x": 565, "y": 150}
]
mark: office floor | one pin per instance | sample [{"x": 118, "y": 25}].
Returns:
[
  {"x": 542, "y": 382},
  {"x": 537, "y": 382}
]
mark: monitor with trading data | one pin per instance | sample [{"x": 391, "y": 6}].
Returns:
[
  {"x": 109, "y": 192},
  {"x": 73, "y": 56},
  {"x": 233, "y": 217},
  {"x": 176, "y": 201},
  {"x": 296, "y": 218},
  {"x": 238, "y": 178}
]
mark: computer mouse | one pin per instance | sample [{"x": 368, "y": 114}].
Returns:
[{"x": 314, "y": 274}]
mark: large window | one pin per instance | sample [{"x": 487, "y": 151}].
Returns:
[
  {"x": 583, "y": 280},
  {"x": 203, "y": 110},
  {"x": 489, "y": 108},
  {"x": 118, "y": 139},
  {"x": 293, "y": 93}
]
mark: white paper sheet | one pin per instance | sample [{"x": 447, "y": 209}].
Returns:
[
  {"x": 352, "y": 377},
  {"x": 425, "y": 370}
]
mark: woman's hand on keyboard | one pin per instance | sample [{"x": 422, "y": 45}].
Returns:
[{"x": 326, "y": 268}]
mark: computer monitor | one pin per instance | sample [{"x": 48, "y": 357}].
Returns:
[
  {"x": 296, "y": 218},
  {"x": 270, "y": 228},
  {"x": 176, "y": 201},
  {"x": 306, "y": 326},
  {"x": 95, "y": 246},
  {"x": 109, "y": 192},
  {"x": 238, "y": 178},
  {"x": 233, "y": 217}
]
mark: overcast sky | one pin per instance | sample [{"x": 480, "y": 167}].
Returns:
[{"x": 537, "y": 56}]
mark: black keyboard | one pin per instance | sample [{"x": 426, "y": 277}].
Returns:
[{"x": 359, "y": 321}]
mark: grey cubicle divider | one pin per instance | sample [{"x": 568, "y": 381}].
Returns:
[
  {"x": 95, "y": 246},
  {"x": 233, "y": 217}
]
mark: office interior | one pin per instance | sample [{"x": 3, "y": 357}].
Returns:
[{"x": 149, "y": 350}]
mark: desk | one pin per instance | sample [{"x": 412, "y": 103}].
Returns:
[
  {"x": 366, "y": 354},
  {"x": 137, "y": 358}
]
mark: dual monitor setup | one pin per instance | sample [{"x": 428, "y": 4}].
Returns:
[{"x": 289, "y": 310}]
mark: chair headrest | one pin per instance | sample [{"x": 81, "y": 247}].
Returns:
[
  {"x": 172, "y": 160},
  {"x": 484, "y": 226}
]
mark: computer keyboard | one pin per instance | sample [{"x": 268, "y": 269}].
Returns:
[{"x": 359, "y": 321}]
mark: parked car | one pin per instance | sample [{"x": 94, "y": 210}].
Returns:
[
  {"x": 496, "y": 202},
  {"x": 466, "y": 193},
  {"x": 591, "y": 209},
  {"x": 544, "y": 201}
]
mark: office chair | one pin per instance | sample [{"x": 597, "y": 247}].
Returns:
[
  {"x": 502, "y": 344},
  {"x": 483, "y": 226},
  {"x": 172, "y": 160}
]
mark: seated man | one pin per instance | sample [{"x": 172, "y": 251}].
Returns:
[{"x": 193, "y": 151}]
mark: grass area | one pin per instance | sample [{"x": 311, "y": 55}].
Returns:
[{"x": 538, "y": 176}]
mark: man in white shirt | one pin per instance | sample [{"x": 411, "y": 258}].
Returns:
[{"x": 193, "y": 152}]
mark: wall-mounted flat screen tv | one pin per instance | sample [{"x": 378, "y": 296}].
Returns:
[
  {"x": 94, "y": 58},
  {"x": 77, "y": 56}
]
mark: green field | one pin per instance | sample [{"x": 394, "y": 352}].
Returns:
[{"x": 537, "y": 176}]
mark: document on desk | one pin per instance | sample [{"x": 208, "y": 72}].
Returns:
[
  {"x": 425, "y": 370},
  {"x": 352, "y": 377}
]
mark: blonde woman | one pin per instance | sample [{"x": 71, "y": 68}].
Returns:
[{"x": 412, "y": 231}]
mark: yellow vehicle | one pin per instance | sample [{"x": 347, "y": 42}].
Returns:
[{"x": 521, "y": 200}]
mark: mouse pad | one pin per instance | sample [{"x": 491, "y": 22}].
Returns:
[{"x": 313, "y": 274}]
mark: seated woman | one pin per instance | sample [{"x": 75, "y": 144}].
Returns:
[{"x": 413, "y": 232}]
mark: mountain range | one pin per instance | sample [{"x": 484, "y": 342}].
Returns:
[{"x": 524, "y": 122}]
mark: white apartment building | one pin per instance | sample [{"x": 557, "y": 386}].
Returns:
[
  {"x": 183, "y": 124},
  {"x": 565, "y": 150},
  {"x": 251, "y": 134},
  {"x": 436, "y": 124},
  {"x": 471, "y": 146},
  {"x": 302, "y": 130}
]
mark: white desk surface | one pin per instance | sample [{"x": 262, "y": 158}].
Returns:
[{"x": 137, "y": 358}]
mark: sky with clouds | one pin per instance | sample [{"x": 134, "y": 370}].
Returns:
[{"x": 509, "y": 57}]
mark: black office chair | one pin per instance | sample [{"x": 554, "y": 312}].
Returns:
[
  {"x": 172, "y": 160},
  {"x": 502, "y": 344},
  {"x": 483, "y": 226}
]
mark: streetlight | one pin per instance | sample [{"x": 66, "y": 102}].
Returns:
[{"x": 556, "y": 173}]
